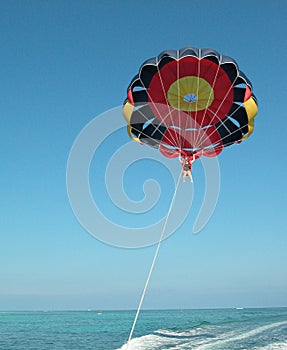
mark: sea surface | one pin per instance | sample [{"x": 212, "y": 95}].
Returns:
[{"x": 230, "y": 329}]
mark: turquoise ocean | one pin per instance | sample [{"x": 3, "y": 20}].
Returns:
[{"x": 230, "y": 329}]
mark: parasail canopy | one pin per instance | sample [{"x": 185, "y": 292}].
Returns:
[{"x": 190, "y": 102}]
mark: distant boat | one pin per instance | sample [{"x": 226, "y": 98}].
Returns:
[
  {"x": 99, "y": 313},
  {"x": 239, "y": 308}
]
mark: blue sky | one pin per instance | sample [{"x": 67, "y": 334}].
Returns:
[{"x": 64, "y": 63}]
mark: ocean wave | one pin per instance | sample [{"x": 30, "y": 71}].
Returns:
[
  {"x": 175, "y": 340},
  {"x": 195, "y": 331},
  {"x": 206, "y": 338},
  {"x": 241, "y": 336},
  {"x": 148, "y": 342}
]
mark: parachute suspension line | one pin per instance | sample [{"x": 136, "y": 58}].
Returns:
[
  {"x": 176, "y": 140},
  {"x": 197, "y": 89},
  {"x": 156, "y": 108},
  {"x": 143, "y": 115},
  {"x": 223, "y": 100},
  {"x": 153, "y": 262},
  {"x": 147, "y": 119},
  {"x": 178, "y": 97},
  {"x": 156, "y": 129},
  {"x": 196, "y": 104},
  {"x": 199, "y": 138}
]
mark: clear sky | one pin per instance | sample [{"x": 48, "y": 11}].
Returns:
[{"x": 63, "y": 63}]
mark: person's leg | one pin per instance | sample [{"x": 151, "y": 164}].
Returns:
[
  {"x": 190, "y": 176},
  {"x": 183, "y": 175}
]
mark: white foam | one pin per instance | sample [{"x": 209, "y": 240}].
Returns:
[
  {"x": 163, "y": 337},
  {"x": 147, "y": 342},
  {"x": 170, "y": 333},
  {"x": 179, "y": 340},
  {"x": 274, "y": 346},
  {"x": 242, "y": 336}
]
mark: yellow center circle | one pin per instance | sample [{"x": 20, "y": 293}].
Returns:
[{"x": 179, "y": 93}]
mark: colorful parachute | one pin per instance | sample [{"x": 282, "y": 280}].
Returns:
[{"x": 190, "y": 101}]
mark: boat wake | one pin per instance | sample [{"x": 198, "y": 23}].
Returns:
[{"x": 208, "y": 337}]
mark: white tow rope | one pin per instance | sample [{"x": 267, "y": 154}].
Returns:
[{"x": 152, "y": 265}]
